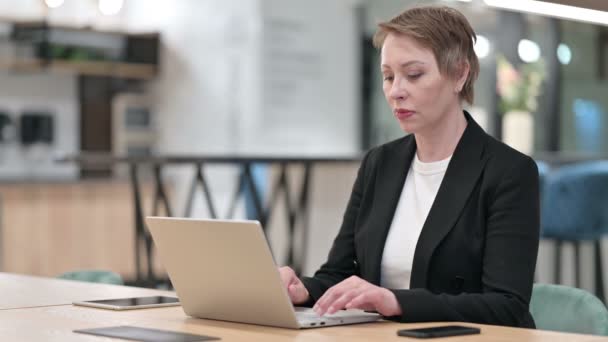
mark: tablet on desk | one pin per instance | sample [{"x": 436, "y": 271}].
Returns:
[
  {"x": 131, "y": 303},
  {"x": 145, "y": 334}
]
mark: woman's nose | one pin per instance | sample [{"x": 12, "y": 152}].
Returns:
[{"x": 398, "y": 91}]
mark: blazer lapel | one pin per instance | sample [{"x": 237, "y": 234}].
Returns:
[{"x": 459, "y": 180}]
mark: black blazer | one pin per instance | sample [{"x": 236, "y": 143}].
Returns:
[{"x": 476, "y": 254}]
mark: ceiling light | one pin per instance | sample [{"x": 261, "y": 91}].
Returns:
[
  {"x": 53, "y": 3},
  {"x": 482, "y": 46},
  {"x": 110, "y": 7},
  {"x": 552, "y": 10},
  {"x": 528, "y": 51},
  {"x": 564, "y": 54}
]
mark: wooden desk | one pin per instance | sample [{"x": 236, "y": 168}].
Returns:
[
  {"x": 56, "y": 323},
  {"x": 21, "y": 291}
]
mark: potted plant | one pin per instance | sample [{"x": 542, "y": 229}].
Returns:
[{"x": 518, "y": 90}]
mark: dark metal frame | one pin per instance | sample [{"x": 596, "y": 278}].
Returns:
[{"x": 297, "y": 213}]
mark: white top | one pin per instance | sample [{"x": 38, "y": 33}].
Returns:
[{"x": 419, "y": 191}]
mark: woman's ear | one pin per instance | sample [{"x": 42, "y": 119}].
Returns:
[{"x": 462, "y": 75}]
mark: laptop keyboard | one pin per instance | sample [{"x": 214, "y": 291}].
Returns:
[
  {"x": 307, "y": 313},
  {"x": 308, "y": 318}
]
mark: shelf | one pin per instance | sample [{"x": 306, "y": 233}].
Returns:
[
  {"x": 89, "y": 68},
  {"x": 37, "y": 24},
  {"x": 43, "y": 47}
]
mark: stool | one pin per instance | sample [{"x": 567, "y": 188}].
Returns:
[{"x": 574, "y": 208}]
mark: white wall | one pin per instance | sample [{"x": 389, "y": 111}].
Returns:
[
  {"x": 23, "y": 9},
  {"x": 310, "y": 79},
  {"x": 196, "y": 90},
  {"x": 50, "y": 93},
  {"x": 223, "y": 61},
  {"x": 55, "y": 93}
]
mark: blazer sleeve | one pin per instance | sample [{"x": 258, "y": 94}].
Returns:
[
  {"x": 341, "y": 262},
  {"x": 509, "y": 259}
]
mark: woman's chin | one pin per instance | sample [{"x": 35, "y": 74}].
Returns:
[{"x": 408, "y": 126}]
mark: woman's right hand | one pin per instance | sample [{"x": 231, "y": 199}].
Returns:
[{"x": 295, "y": 288}]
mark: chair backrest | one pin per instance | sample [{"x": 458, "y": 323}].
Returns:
[
  {"x": 94, "y": 276},
  {"x": 568, "y": 309},
  {"x": 543, "y": 172},
  {"x": 575, "y": 202}
]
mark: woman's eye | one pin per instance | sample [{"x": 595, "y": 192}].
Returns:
[
  {"x": 387, "y": 78},
  {"x": 414, "y": 76}
]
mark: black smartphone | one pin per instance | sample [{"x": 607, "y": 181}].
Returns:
[{"x": 441, "y": 331}]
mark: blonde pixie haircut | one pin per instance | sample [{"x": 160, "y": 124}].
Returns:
[{"x": 443, "y": 30}]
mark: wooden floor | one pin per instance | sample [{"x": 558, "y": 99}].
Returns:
[{"x": 48, "y": 229}]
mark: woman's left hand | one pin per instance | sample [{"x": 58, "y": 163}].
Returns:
[{"x": 356, "y": 293}]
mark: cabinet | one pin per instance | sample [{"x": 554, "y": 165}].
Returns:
[{"x": 37, "y": 46}]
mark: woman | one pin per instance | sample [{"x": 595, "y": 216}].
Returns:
[{"x": 442, "y": 224}]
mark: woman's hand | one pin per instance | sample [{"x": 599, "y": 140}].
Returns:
[
  {"x": 356, "y": 293},
  {"x": 295, "y": 288}
]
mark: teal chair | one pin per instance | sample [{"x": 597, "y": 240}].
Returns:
[
  {"x": 573, "y": 209},
  {"x": 543, "y": 172},
  {"x": 568, "y": 309},
  {"x": 94, "y": 276}
]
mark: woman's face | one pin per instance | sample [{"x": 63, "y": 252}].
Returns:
[{"x": 418, "y": 94}]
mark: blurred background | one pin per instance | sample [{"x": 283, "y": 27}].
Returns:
[{"x": 111, "y": 110}]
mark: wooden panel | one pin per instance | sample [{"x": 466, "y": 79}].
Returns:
[{"x": 48, "y": 229}]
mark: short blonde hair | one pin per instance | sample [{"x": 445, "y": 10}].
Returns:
[{"x": 446, "y": 32}]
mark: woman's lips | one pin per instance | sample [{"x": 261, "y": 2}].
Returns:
[{"x": 403, "y": 113}]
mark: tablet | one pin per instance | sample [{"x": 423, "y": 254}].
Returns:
[
  {"x": 145, "y": 334},
  {"x": 131, "y": 303}
]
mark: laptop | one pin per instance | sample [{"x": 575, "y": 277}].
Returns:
[{"x": 224, "y": 270}]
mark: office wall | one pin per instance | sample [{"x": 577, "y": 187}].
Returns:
[
  {"x": 196, "y": 87},
  {"x": 310, "y": 78},
  {"x": 23, "y": 9},
  {"x": 234, "y": 80},
  {"x": 52, "y": 93}
]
